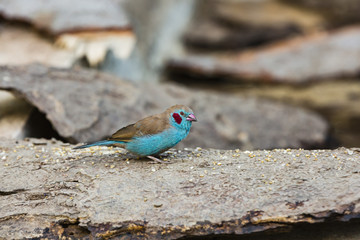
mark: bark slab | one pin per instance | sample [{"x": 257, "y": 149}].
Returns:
[
  {"x": 48, "y": 190},
  {"x": 85, "y": 106},
  {"x": 314, "y": 57}
]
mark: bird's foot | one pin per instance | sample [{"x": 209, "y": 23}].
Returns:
[{"x": 156, "y": 160}]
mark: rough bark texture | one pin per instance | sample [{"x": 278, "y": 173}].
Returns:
[
  {"x": 87, "y": 105},
  {"x": 49, "y": 190}
]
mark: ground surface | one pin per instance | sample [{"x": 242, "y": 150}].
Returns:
[{"x": 48, "y": 190}]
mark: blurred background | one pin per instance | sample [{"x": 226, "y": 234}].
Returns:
[{"x": 258, "y": 74}]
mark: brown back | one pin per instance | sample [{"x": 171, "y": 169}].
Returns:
[{"x": 148, "y": 126}]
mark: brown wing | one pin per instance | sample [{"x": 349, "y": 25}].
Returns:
[
  {"x": 124, "y": 134},
  {"x": 147, "y": 126}
]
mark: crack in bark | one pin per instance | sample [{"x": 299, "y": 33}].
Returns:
[{"x": 7, "y": 193}]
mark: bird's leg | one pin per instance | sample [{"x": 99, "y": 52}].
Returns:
[{"x": 156, "y": 159}]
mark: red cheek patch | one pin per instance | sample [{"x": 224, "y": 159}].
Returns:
[{"x": 177, "y": 118}]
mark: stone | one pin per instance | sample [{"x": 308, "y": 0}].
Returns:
[
  {"x": 49, "y": 190},
  {"x": 315, "y": 57},
  {"x": 85, "y": 105}
]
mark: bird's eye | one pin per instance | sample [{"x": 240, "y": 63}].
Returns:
[{"x": 182, "y": 113}]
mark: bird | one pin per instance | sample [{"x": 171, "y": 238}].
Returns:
[{"x": 152, "y": 135}]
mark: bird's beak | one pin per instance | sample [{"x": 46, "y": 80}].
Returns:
[{"x": 191, "y": 118}]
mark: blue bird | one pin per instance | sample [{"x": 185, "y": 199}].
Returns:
[{"x": 154, "y": 134}]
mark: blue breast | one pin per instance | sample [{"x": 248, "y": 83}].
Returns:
[{"x": 157, "y": 143}]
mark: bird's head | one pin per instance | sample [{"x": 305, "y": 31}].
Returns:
[{"x": 181, "y": 116}]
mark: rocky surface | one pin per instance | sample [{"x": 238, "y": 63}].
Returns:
[
  {"x": 86, "y": 105},
  {"x": 311, "y": 58},
  {"x": 49, "y": 190}
]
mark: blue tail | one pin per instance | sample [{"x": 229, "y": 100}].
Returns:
[{"x": 99, "y": 143}]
